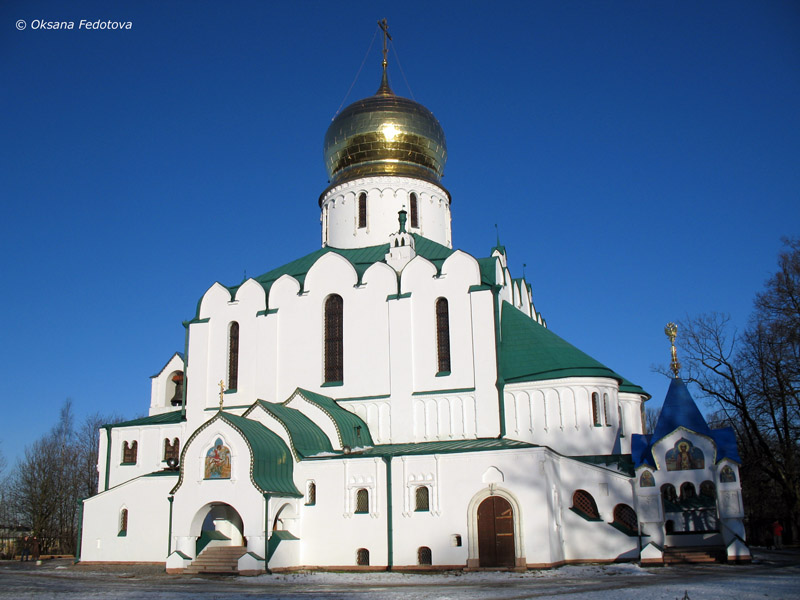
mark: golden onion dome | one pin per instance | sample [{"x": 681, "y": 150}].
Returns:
[{"x": 385, "y": 134}]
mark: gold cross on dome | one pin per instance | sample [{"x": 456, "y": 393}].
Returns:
[
  {"x": 384, "y": 25},
  {"x": 221, "y": 392},
  {"x": 672, "y": 332}
]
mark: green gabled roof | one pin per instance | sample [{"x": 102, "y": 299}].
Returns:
[
  {"x": 352, "y": 430},
  {"x": 167, "y": 418},
  {"x": 530, "y": 352},
  {"x": 448, "y": 447},
  {"x": 628, "y": 386},
  {"x": 623, "y": 462},
  {"x": 488, "y": 268},
  {"x": 307, "y": 438},
  {"x": 272, "y": 464}
]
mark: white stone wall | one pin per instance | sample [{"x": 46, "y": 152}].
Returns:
[{"x": 386, "y": 196}]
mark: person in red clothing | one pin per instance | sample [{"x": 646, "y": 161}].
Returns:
[{"x": 777, "y": 534}]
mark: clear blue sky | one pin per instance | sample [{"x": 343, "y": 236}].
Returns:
[{"x": 642, "y": 158}]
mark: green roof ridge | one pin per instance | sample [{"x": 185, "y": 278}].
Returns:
[
  {"x": 168, "y": 418},
  {"x": 352, "y": 430},
  {"x": 307, "y": 438},
  {"x": 441, "y": 447},
  {"x": 531, "y": 352}
]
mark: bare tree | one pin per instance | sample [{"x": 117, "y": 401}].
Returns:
[{"x": 753, "y": 379}]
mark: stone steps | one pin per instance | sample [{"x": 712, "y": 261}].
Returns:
[
  {"x": 217, "y": 559},
  {"x": 709, "y": 554}
]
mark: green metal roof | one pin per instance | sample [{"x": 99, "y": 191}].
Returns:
[
  {"x": 352, "y": 430},
  {"x": 307, "y": 438},
  {"x": 627, "y": 386},
  {"x": 448, "y": 447},
  {"x": 621, "y": 462},
  {"x": 530, "y": 352},
  {"x": 272, "y": 464},
  {"x": 167, "y": 418}
]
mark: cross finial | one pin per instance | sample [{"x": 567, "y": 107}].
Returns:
[
  {"x": 672, "y": 331},
  {"x": 221, "y": 392},
  {"x": 384, "y": 25}
]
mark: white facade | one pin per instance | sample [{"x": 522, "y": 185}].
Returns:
[{"x": 383, "y": 432}]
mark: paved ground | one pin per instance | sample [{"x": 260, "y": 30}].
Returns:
[{"x": 773, "y": 575}]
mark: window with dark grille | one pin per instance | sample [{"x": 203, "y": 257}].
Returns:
[
  {"x": 129, "y": 452},
  {"x": 171, "y": 450},
  {"x": 362, "y": 210},
  {"x": 605, "y": 409},
  {"x": 688, "y": 491},
  {"x": 708, "y": 489},
  {"x": 233, "y": 356},
  {"x": 362, "y": 557},
  {"x": 625, "y": 517},
  {"x": 422, "y": 496},
  {"x": 412, "y": 201},
  {"x": 668, "y": 493},
  {"x": 582, "y": 501},
  {"x": 311, "y": 497},
  {"x": 443, "y": 335},
  {"x": 596, "y": 409},
  {"x": 123, "y": 522},
  {"x": 362, "y": 501},
  {"x": 424, "y": 556},
  {"x": 334, "y": 339}
]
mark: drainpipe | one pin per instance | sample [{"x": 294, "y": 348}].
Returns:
[
  {"x": 389, "y": 520},
  {"x": 266, "y": 532},
  {"x": 80, "y": 532},
  {"x": 500, "y": 382},
  {"x": 108, "y": 456},
  {"x": 169, "y": 538}
]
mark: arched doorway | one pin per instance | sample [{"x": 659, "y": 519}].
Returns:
[
  {"x": 221, "y": 526},
  {"x": 495, "y": 533}
]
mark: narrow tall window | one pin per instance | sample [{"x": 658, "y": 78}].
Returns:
[
  {"x": 596, "y": 409},
  {"x": 412, "y": 201},
  {"x": 311, "y": 495},
  {"x": 362, "y": 210},
  {"x": 621, "y": 424},
  {"x": 233, "y": 355},
  {"x": 422, "y": 499},
  {"x": 334, "y": 339},
  {"x": 123, "y": 523},
  {"x": 171, "y": 450},
  {"x": 443, "y": 335},
  {"x": 362, "y": 557},
  {"x": 605, "y": 410},
  {"x": 129, "y": 453},
  {"x": 362, "y": 501}
]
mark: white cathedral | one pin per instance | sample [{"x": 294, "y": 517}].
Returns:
[{"x": 389, "y": 402}]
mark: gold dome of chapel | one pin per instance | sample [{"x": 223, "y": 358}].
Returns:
[{"x": 385, "y": 134}]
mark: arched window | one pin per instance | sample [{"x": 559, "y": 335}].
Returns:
[
  {"x": 175, "y": 388},
  {"x": 123, "y": 522},
  {"x": 412, "y": 201},
  {"x": 233, "y": 355},
  {"x": 362, "y": 210},
  {"x": 687, "y": 491},
  {"x": 596, "y": 409},
  {"x": 708, "y": 489},
  {"x": 362, "y": 557},
  {"x": 129, "y": 452},
  {"x": 422, "y": 499},
  {"x": 443, "y": 335},
  {"x": 334, "y": 339},
  {"x": 172, "y": 450},
  {"x": 625, "y": 517},
  {"x": 605, "y": 410},
  {"x": 669, "y": 496},
  {"x": 424, "y": 556},
  {"x": 583, "y": 502},
  {"x": 362, "y": 501},
  {"x": 311, "y": 494}
]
